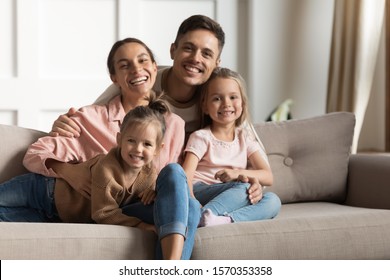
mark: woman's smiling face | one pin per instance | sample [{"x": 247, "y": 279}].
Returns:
[{"x": 135, "y": 71}]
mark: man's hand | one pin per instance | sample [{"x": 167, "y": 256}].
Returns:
[
  {"x": 65, "y": 126},
  {"x": 255, "y": 191}
]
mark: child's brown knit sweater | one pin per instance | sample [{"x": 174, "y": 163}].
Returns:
[{"x": 109, "y": 191}]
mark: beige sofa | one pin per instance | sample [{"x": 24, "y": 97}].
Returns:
[{"x": 334, "y": 205}]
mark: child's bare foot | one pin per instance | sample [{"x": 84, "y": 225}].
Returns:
[{"x": 209, "y": 219}]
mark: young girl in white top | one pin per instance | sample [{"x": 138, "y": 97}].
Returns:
[{"x": 218, "y": 154}]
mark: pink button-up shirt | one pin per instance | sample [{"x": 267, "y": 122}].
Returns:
[{"x": 99, "y": 125}]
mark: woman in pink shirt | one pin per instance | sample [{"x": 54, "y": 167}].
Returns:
[
  {"x": 218, "y": 154},
  {"x": 133, "y": 69}
]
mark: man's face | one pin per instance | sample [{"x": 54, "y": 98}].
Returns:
[{"x": 195, "y": 57}]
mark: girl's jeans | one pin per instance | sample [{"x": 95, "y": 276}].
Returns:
[
  {"x": 174, "y": 211},
  {"x": 28, "y": 198},
  {"x": 231, "y": 199}
]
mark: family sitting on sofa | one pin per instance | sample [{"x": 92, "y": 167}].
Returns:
[{"x": 121, "y": 161}]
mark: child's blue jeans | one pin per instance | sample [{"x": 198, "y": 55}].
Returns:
[{"x": 231, "y": 199}]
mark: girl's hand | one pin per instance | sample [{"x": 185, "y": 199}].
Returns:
[
  {"x": 78, "y": 175},
  {"x": 227, "y": 175},
  {"x": 255, "y": 191},
  {"x": 145, "y": 226},
  {"x": 147, "y": 196}
]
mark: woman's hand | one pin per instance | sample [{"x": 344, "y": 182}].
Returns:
[{"x": 65, "y": 126}]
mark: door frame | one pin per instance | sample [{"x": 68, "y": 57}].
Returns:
[{"x": 387, "y": 80}]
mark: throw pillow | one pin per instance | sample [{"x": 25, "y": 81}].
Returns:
[{"x": 309, "y": 157}]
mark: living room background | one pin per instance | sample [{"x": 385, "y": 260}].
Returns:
[{"x": 53, "y": 53}]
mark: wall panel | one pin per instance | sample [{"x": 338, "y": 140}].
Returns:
[
  {"x": 75, "y": 37},
  {"x": 8, "y": 117},
  {"x": 163, "y": 35},
  {"x": 53, "y": 52},
  {"x": 156, "y": 21},
  {"x": 7, "y": 39}
]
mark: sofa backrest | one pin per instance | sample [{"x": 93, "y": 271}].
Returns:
[
  {"x": 13, "y": 145},
  {"x": 309, "y": 157}
]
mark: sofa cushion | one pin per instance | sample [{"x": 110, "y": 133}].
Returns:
[
  {"x": 52, "y": 241},
  {"x": 303, "y": 231},
  {"x": 14, "y": 142},
  {"x": 309, "y": 157}
]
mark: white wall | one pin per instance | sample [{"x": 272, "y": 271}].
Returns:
[
  {"x": 53, "y": 52},
  {"x": 288, "y": 55}
]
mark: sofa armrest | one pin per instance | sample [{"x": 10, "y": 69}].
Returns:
[
  {"x": 14, "y": 142},
  {"x": 369, "y": 181}
]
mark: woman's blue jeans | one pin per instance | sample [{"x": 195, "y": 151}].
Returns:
[
  {"x": 231, "y": 199},
  {"x": 174, "y": 210},
  {"x": 28, "y": 198}
]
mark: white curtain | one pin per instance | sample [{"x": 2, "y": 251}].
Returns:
[{"x": 356, "y": 36}]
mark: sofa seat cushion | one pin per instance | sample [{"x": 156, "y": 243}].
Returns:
[
  {"x": 41, "y": 241},
  {"x": 302, "y": 231},
  {"x": 309, "y": 157},
  {"x": 318, "y": 209}
]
